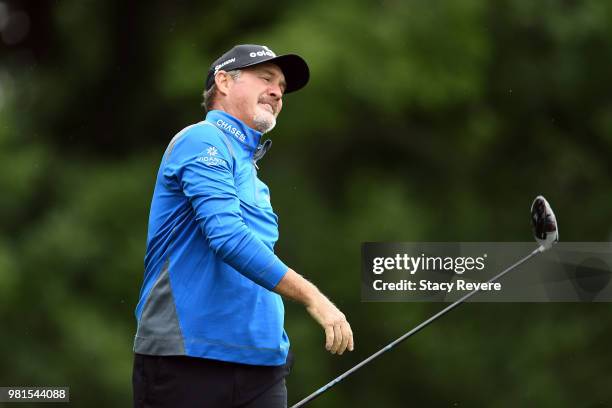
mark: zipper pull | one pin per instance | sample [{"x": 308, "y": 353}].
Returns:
[{"x": 262, "y": 149}]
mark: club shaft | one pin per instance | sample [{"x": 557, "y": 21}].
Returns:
[{"x": 410, "y": 333}]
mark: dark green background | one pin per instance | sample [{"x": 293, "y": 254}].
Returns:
[{"x": 423, "y": 121}]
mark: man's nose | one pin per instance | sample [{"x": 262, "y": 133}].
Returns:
[{"x": 275, "y": 91}]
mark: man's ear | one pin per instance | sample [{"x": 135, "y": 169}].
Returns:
[{"x": 223, "y": 81}]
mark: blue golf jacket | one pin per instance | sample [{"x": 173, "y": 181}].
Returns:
[{"x": 210, "y": 263}]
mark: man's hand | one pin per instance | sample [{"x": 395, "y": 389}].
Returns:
[{"x": 338, "y": 333}]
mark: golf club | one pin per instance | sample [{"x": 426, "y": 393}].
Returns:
[{"x": 546, "y": 234}]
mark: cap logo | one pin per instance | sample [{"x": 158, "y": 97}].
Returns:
[
  {"x": 224, "y": 63},
  {"x": 265, "y": 51}
]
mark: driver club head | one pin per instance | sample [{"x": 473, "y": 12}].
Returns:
[{"x": 544, "y": 223}]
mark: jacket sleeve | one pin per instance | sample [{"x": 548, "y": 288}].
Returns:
[{"x": 203, "y": 167}]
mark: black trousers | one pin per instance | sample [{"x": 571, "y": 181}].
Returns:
[{"x": 190, "y": 382}]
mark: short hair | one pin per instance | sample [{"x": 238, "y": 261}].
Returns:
[{"x": 210, "y": 94}]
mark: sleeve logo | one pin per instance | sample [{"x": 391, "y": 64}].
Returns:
[{"x": 210, "y": 160}]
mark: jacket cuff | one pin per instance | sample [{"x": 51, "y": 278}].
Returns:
[{"x": 270, "y": 276}]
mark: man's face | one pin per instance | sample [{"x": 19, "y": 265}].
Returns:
[{"x": 255, "y": 97}]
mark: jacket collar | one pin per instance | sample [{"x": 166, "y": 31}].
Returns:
[{"x": 234, "y": 128}]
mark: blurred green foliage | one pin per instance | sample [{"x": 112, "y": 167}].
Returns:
[{"x": 423, "y": 121}]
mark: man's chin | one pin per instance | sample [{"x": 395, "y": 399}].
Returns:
[{"x": 264, "y": 122}]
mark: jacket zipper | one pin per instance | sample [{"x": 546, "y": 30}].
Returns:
[{"x": 254, "y": 172}]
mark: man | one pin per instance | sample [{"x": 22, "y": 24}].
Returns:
[{"x": 210, "y": 318}]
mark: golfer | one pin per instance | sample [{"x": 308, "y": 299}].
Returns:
[{"x": 210, "y": 314}]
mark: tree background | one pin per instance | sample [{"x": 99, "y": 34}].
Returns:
[{"x": 423, "y": 121}]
